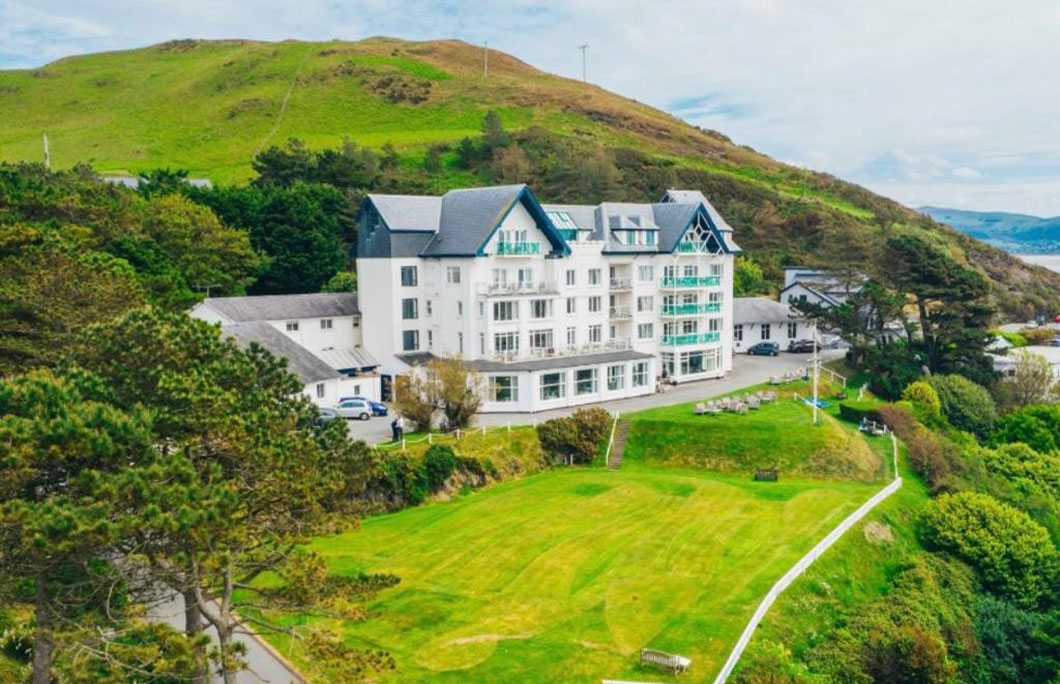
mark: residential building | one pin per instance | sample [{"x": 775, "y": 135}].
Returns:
[
  {"x": 319, "y": 335},
  {"x": 817, "y": 286},
  {"x": 759, "y": 319},
  {"x": 555, "y": 305}
]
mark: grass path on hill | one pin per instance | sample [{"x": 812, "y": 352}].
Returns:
[{"x": 564, "y": 575}]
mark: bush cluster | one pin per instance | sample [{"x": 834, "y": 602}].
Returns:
[
  {"x": 402, "y": 479},
  {"x": 855, "y": 411},
  {"x": 575, "y": 438},
  {"x": 966, "y": 405}
]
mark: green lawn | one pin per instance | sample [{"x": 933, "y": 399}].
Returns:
[{"x": 564, "y": 575}]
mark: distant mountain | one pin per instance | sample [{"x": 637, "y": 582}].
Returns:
[{"x": 1017, "y": 233}]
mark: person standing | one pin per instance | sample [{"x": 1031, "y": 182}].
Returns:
[
  {"x": 394, "y": 428},
  {"x": 399, "y": 428}
]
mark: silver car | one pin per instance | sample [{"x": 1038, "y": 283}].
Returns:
[{"x": 354, "y": 408}]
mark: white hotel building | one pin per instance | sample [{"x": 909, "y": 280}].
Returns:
[{"x": 554, "y": 305}]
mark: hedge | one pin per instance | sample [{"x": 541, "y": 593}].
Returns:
[{"x": 855, "y": 411}]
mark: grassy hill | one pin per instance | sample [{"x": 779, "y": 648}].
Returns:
[{"x": 210, "y": 106}]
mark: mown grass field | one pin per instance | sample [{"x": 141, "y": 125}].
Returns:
[{"x": 564, "y": 575}]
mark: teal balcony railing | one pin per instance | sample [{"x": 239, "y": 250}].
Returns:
[
  {"x": 692, "y": 338},
  {"x": 518, "y": 248},
  {"x": 691, "y": 309},
  {"x": 692, "y": 281}
]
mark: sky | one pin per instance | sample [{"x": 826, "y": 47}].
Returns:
[{"x": 941, "y": 102}]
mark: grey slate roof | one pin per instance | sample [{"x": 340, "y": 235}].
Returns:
[
  {"x": 284, "y": 307},
  {"x": 747, "y": 310},
  {"x": 300, "y": 360},
  {"x": 344, "y": 359},
  {"x": 468, "y": 217},
  {"x": 409, "y": 212},
  {"x": 556, "y": 362}
]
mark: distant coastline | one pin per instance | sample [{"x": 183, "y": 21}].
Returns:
[{"x": 1050, "y": 261}]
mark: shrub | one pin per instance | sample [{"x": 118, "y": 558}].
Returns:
[
  {"x": 1035, "y": 426},
  {"x": 966, "y": 405},
  {"x": 1029, "y": 469},
  {"x": 401, "y": 479},
  {"x": 1014, "y": 555},
  {"x": 577, "y": 437},
  {"x": 1013, "y": 338},
  {"x": 854, "y": 410},
  {"x": 924, "y": 397},
  {"x": 1038, "y": 335},
  {"x": 439, "y": 462}
]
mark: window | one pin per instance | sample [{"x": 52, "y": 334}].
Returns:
[
  {"x": 571, "y": 276},
  {"x": 410, "y": 340},
  {"x": 645, "y": 331},
  {"x": 716, "y": 269},
  {"x": 649, "y": 237},
  {"x": 670, "y": 271},
  {"x": 526, "y": 276},
  {"x": 292, "y": 326},
  {"x": 452, "y": 275},
  {"x": 459, "y": 308},
  {"x": 595, "y": 333},
  {"x": 765, "y": 331},
  {"x": 410, "y": 309},
  {"x": 357, "y": 321},
  {"x": 692, "y": 363},
  {"x": 553, "y": 386},
  {"x": 427, "y": 304},
  {"x": 500, "y": 276},
  {"x": 572, "y": 336},
  {"x": 482, "y": 343},
  {"x": 667, "y": 364},
  {"x": 409, "y": 277},
  {"x": 645, "y": 274},
  {"x": 691, "y": 271},
  {"x": 585, "y": 381},
  {"x": 737, "y": 333},
  {"x": 504, "y": 388},
  {"x": 793, "y": 330},
  {"x": 320, "y": 390},
  {"x": 640, "y": 374},
  {"x": 714, "y": 297},
  {"x": 460, "y": 342},
  {"x": 689, "y": 327},
  {"x": 481, "y": 309},
  {"x": 541, "y": 339},
  {"x": 503, "y": 311},
  {"x": 645, "y": 304},
  {"x": 572, "y": 305},
  {"x": 669, "y": 329},
  {"x": 540, "y": 308},
  {"x": 714, "y": 325},
  {"x": 594, "y": 276},
  {"x": 430, "y": 339},
  {"x": 506, "y": 342},
  {"x": 616, "y": 377},
  {"x": 325, "y": 323},
  {"x": 595, "y": 304}
]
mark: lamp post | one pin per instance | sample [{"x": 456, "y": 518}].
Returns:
[{"x": 816, "y": 371}]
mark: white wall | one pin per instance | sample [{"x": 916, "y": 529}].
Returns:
[{"x": 343, "y": 334}]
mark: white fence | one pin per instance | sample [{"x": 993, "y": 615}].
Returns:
[
  {"x": 432, "y": 437},
  {"x": 805, "y": 562}
]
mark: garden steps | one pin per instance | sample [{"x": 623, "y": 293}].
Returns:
[{"x": 615, "y": 461}]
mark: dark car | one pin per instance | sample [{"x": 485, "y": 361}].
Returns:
[
  {"x": 377, "y": 408},
  {"x": 800, "y": 346},
  {"x": 764, "y": 349}
]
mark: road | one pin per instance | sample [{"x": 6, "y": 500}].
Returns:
[{"x": 747, "y": 371}]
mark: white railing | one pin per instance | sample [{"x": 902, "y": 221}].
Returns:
[
  {"x": 805, "y": 562},
  {"x": 500, "y": 289},
  {"x": 611, "y": 439},
  {"x": 616, "y": 344},
  {"x": 620, "y": 312},
  {"x": 621, "y": 283}
]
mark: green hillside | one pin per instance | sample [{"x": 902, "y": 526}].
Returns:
[{"x": 210, "y": 106}]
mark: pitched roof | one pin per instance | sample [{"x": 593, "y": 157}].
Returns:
[
  {"x": 469, "y": 217},
  {"x": 747, "y": 310},
  {"x": 300, "y": 360},
  {"x": 555, "y": 362},
  {"x": 284, "y": 307},
  {"x": 408, "y": 212},
  {"x": 345, "y": 359}
]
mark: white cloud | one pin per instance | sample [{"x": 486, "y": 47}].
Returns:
[{"x": 896, "y": 95}]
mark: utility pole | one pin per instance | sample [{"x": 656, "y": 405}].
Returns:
[
  {"x": 47, "y": 153},
  {"x": 816, "y": 372},
  {"x": 583, "y": 48},
  {"x": 485, "y": 59}
]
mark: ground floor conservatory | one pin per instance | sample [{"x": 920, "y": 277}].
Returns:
[{"x": 693, "y": 364}]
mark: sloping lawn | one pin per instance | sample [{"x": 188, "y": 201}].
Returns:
[
  {"x": 564, "y": 575},
  {"x": 779, "y": 434}
]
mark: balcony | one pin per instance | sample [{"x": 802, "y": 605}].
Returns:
[
  {"x": 509, "y": 289},
  {"x": 691, "y": 281},
  {"x": 518, "y": 248},
  {"x": 691, "y": 309},
  {"x": 691, "y": 338},
  {"x": 692, "y": 248},
  {"x": 621, "y": 284},
  {"x": 617, "y": 344},
  {"x": 619, "y": 312}
]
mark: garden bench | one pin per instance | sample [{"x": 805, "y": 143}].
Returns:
[
  {"x": 673, "y": 662},
  {"x": 767, "y": 475}
]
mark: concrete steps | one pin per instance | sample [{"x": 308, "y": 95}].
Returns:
[{"x": 619, "y": 445}]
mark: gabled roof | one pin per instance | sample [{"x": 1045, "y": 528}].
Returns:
[
  {"x": 300, "y": 360},
  {"x": 823, "y": 295},
  {"x": 746, "y": 310},
  {"x": 408, "y": 212},
  {"x": 697, "y": 197},
  {"x": 284, "y": 307}
]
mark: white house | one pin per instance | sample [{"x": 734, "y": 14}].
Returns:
[
  {"x": 556, "y": 305},
  {"x": 760, "y": 319},
  {"x": 318, "y": 334},
  {"x": 816, "y": 286}
]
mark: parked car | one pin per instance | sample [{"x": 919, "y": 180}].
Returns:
[
  {"x": 326, "y": 415},
  {"x": 801, "y": 346},
  {"x": 377, "y": 408},
  {"x": 360, "y": 409},
  {"x": 764, "y": 349},
  {"x": 1055, "y": 342}
]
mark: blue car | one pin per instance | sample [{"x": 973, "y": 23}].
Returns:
[{"x": 377, "y": 408}]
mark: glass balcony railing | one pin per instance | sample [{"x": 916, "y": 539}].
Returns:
[
  {"x": 692, "y": 281},
  {"x": 518, "y": 248},
  {"x": 692, "y": 248},
  {"x": 692, "y": 338},
  {"x": 690, "y": 309}
]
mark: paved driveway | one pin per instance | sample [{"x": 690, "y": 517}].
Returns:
[{"x": 747, "y": 370}]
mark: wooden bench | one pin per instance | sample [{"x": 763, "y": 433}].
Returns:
[
  {"x": 672, "y": 662},
  {"x": 767, "y": 475}
]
